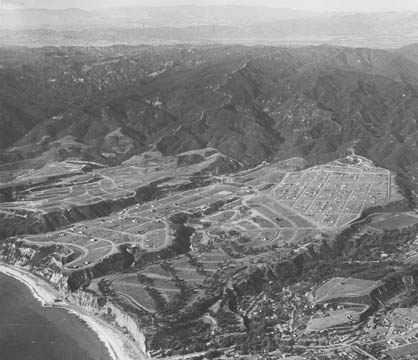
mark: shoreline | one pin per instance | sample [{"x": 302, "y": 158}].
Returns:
[{"x": 118, "y": 345}]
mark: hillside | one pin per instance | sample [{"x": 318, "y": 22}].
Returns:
[{"x": 250, "y": 103}]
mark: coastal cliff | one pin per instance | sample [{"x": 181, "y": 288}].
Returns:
[
  {"x": 27, "y": 256},
  {"x": 105, "y": 309}
]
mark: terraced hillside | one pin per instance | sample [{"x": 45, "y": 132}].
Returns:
[{"x": 163, "y": 241}]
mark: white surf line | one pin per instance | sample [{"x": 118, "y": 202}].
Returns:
[{"x": 117, "y": 344}]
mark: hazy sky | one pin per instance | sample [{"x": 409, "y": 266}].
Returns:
[{"x": 319, "y": 5}]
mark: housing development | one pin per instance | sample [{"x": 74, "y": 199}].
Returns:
[{"x": 212, "y": 258}]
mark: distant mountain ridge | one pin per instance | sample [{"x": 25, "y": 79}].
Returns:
[
  {"x": 148, "y": 17},
  {"x": 198, "y": 24},
  {"x": 49, "y": 19}
]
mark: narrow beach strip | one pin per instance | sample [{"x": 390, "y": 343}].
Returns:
[{"x": 119, "y": 346}]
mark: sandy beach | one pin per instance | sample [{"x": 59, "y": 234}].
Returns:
[{"x": 119, "y": 346}]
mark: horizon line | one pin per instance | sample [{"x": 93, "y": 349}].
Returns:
[{"x": 342, "y": 12}]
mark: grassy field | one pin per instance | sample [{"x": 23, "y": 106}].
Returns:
[
  {"x": 409, "y": 351},
  {"x": 136, "y": 293},
  {"x": 389, "y": 222},
  {"x": 223, "y": 216},
  {"x": 333, "y": 319},
  {"x": 344, "y": 287},
  {"x": 157, "y": 270}
]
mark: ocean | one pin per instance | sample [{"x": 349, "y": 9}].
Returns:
[{"x": 29, "y": 331}]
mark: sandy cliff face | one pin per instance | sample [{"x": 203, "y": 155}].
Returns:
[
  {"x": 28, "y": 257},
  {"x": 105, "y": 309}
]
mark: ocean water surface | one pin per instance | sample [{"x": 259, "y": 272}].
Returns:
[{"x": 29, "y": 331}]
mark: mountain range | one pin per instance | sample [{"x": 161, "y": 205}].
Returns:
[
  {"x": 147, "y": 17},
  {"x": 199, "y": 24},
  {"x": 252, "y": 104}
]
